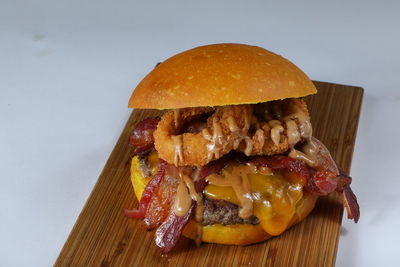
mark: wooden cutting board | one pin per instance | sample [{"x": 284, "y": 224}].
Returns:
[{"x": 103, "y": 236}]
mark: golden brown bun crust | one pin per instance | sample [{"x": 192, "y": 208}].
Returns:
[{"x": 218, "y": 75}]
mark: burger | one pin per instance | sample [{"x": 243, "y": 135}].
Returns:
[{"x": 232, "y": 160}]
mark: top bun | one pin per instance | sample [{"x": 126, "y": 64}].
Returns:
[{"x": 218, "y": 75}]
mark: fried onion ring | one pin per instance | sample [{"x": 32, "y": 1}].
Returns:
[{"x": 235, "y": 127}]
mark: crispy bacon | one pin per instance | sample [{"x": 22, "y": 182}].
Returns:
[
  {"x": 283, "y": 162},
  {"x": 148, "y": 193},
  {"x": 162, "y": 198},
  {"x": 326, "y": 162},
  {"x": 214, "y": 166},
  {"x": 349, "y": 199},
  {"x": 142, "y": 139},
  {"x": 168, "y": 234},
  {"x": 321, "y": 183},
  {"x": 350, "y": 202},
  {"x": 343, "y": 180}
]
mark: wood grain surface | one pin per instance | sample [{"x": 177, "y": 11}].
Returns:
[{"x": 103, "y": 236}]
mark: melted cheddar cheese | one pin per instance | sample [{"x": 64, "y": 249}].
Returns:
[
  {"x": 274, "y": 198},
  {"x": 138, "y": 178}
]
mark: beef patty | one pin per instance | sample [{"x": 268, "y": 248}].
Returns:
[{"x": 223, "y": 212}]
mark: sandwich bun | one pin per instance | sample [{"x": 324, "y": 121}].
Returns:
[{"x": 218, "y": 75}]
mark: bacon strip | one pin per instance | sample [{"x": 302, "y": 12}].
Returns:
[
  {"x": 168, "y": 234},
  {"x": 350, "y": 202},
  {"x": 162, "y": 198},
  {"x": 214, "y": 166},
  {"x": 283, "y": 162},
  {"x": 148, "y": 193},
  {"x": 142, "y": 139},
  {"x": 343, "y": 180},
  {"x": 349, "y": 199},
  {"x": 321, "y": 183}
]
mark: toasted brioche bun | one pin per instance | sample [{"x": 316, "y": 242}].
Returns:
[
  {"x": 218, "y": 75},
  {"x": 235, "y": 234}
]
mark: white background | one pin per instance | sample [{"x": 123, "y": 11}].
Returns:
[{"x": 67, "y": 69}]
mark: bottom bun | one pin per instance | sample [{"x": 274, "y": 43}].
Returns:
[
  {"x": 246, "y": 234},
  {"x": 234, "y": 234}
]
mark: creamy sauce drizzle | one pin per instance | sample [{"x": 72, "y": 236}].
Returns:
[
  {"x": 310, "y": 147},
  {"x": 185, "y": 194},
  {"x": 260, "y": 137},
  {"x": 308, "y": 159},
  {"x": 249, "y": 146},
  {"x": 216, "y": 140},
  {"x": 308, "y": 152},
  {"x": 183, "y": 200},
  {"x": 292, "y": 133},
  {"x": 195, "y": 197},
  {"x": 239, "y": 182},
  {"x": 276, "y": 130},
  {"x": 178, "y": 156},
  {"x": 233, "y": 127}
]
